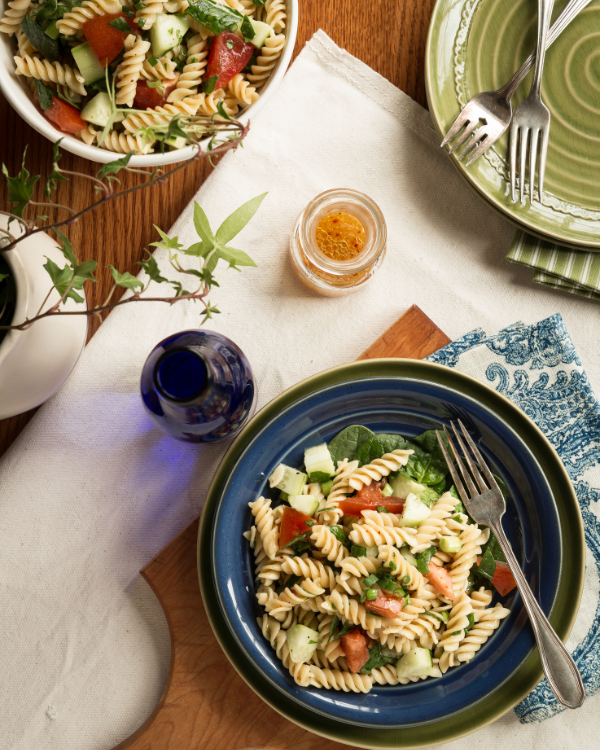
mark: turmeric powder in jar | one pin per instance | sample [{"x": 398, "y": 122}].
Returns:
[{"x": 338, "y": 243}]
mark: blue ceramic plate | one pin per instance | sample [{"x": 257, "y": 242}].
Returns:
[{"x": 405, "y": 397}]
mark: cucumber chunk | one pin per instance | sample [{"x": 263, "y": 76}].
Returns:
[
  {"x": 450, "y": 544},
  {"x": 318, "y": 463},
  {"x": 287, "y": 479},
  {"x": 403, "y": 486},
  {"x": 52, "y": 30},
  {"x": 387, "y": 491},
  {"x": 167, "y": 31},
  {"x": 408, "y": 556},
  {"x": 262, "y": 31},
  {"x": 414, "y": 513},
  {"x": 97, "y": 110},
  {"x": 302, "y": 642},
  {"x": 176, "y": 142},
  {"x": 304, "y": 503},
  {"x": 87, "y": 62},
  {"x": 373, "y": 551},
  {"x": 417, "y": 663}
]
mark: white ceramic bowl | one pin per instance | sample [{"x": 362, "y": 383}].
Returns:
[{"x": 15, "y": 90}]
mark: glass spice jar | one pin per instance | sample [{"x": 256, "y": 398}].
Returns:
[{"x": 338, "y": 243}]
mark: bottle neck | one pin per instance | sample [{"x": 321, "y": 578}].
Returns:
[{"x": 183, "y": 375}]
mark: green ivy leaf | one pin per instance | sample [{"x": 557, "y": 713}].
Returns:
[
  {"x": 179, "y": 290},
  {"x": 150, "y": 266},
  {"x": 126, "y": 280},
  {"x": 114, "y": 166},
  {"x": 85, "y": 270},
  {"x": 209, "y": 311},
  {"x": 198, "y": 249},
  {"x": 61, "y": 278},
  {"x": 235, "y": 257},
  {"x": 55, "y": 176},
  {"x": 20, "y": 187},
  {"x": 66, "y": 248},
  {"x": 234, "y": 223},
  {"x": 203, "y": 227},
  {"x": 174, "y": 130},
  {"x": 168, "y": 243}
]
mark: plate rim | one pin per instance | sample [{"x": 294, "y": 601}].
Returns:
[
  {"x": 518, "y": 684},
  {"x": 521, "y": 223}
]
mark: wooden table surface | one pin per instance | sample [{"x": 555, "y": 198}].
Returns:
[{"x": 388, "y": 35}]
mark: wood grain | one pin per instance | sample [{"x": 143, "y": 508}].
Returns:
[
  {"x": 394, "y": 46},
  {"x": 205, "y": 703}
]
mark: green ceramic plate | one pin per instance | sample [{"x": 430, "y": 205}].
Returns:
[
  {"x": 476, "y": 45},
  {"x": 568, "y": 592}
]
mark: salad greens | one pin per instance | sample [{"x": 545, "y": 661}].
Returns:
[
  {"x": 346, "y": 443},
  {"x": 214, "y": 16}
]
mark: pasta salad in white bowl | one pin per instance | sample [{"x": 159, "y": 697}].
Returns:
[{"x": 111, "y": 77}]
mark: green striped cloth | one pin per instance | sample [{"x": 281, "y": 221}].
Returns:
[{"x": 574, "y": 271}]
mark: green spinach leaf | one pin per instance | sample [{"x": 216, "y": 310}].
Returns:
[
  {"x": 346, "y": 443},
  {"x": 377, "y": 658},
  {"x": 214, "y": 16},
  {"x": 40, "y": 40},
  {"x": 379, "y": 444},
  {"x": 487, "y": 566}
]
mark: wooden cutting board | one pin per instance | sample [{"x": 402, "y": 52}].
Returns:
[{"x": 205, "y": 703}]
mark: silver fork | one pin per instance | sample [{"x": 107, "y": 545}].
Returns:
[
  {"x": 494, "y": 107},
  {"x": 531, "y": 119},
  {"x": 486, "y": 506}
]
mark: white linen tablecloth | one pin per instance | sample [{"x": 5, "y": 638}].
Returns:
[{"x": 91, "y": 490}]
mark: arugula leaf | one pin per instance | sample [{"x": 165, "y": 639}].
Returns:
[
  {"x": 114, "y": 166},
  {"x": 40, "y": 40},
  {"x": 214, "y": 16},
  {"x": 247, "y": 30},
  {"x": 20, "y": 187},
  {"x": 334, "y": 624},
  {"x": 126, "y": 280},
  {"x": 299, "y": 538},
  {"x": 377, "y": 659},
  {"x": 234, "y": 223},
  {"x": 62, "y": 278},
  {"x": 347, "y": 442},
  {"x": 120, "y": 24},
  {"x": 494, "y": 548},
  {"x": 338, "y": 533},
  {"x": 45, "y": 12},
  {"x": 54, "y": 176},
  {"x": 150, "y": 266}
]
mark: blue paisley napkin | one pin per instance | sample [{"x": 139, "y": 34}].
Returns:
[{"x": 537, "y": 368}]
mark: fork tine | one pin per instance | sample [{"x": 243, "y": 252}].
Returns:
[
  {"x": 514, "y": 136},
  {"x": 472, "y": 144},
  {"x": 532, "y": 159},
  {"x": 543, "y": 153},
  {"x": 461, "y": 120},
  {"x": 464, "y": 135},
  {"x": 479, "y": 458},
  {"x": 457, "y": 483},
  {"x": 463, "y": 469},
  {"x": 474, "y": 471},
  {"x": 523, "y": 160},
  {"x": 483, "y": 146}
]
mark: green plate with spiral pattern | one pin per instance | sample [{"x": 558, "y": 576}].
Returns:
[{"x": 476, "y": 45}]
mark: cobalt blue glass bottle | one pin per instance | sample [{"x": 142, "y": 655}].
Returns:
[{"x": 197, "y": 386}]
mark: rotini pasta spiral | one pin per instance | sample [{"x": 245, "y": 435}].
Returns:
[
  {"x": 334, "y": 678},
  {"x": 44, "y": 70},
  {"x": 481, "y": 599},
  {"x": 307, "y": 568},
  {"x": 430, "y": 529},
  {"x": 372, "y": 533},
  {"x": 72, "y": 21},
  {"x": 267, "y": 60},
  {"x": 88, "y": 135},
  {"x": 165, "y": 69},
  {"x": 241, "y": 90},
  {"x": 145, "y": 17},
  {"x": 291, "y": 597},
  {"x": 379, "y": 468},
  {"x": 24, "y": 45},
  {"x": 480, "y": 632},
  {"x": 128, "y": 71},
  {"x": 457, "y": 624},
  {"x": 360, "y": 566},
  {"x": 189, "y": 81},
  {"x": 262, "y": 512},
  {"x": 339, "y": 603},
  {"x": 325, "y": 541},
  {"x": 402, "y": 568},
  {"x": 332, "y": 650},
  {"x": 460, "y": 568},
  {"x": 13, "y": 16},
  {"x": 275, "y": 15}
]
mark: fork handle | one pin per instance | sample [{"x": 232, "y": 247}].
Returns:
[{"x": 558, "y": 665}]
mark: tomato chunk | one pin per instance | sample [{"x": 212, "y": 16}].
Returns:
[
  {"x": 503, "y": 579},
  {"x": 293, "y": 524},
  {"x": 65, "y": 116},
  {"x": 228, "y": 56},
  {"x": 354, "y": 646},
  {"x": 386, "y": 605},
  {"x": 441, "y": 580},
  {"x": 148, "y": 97},
  {"x": 368, "y": 498},
  {"x": 106, "y": 41}
]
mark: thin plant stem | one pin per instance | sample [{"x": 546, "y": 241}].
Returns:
[
  {"x": 154, "y": 181},
  {"x": 52, "y": 205},
  {"x": 87, "y": 177}
]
